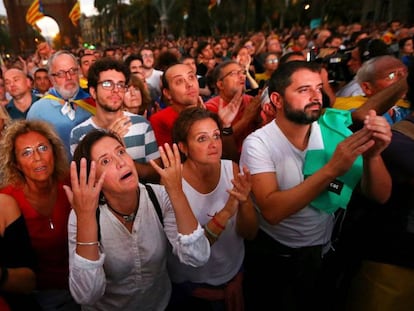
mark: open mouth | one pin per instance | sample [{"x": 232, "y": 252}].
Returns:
[
  {"x": 126, "y": 176},
  {"x": 40, "y": 168}
]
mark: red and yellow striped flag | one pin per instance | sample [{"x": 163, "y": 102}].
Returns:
[
  {"x": 35, "y": 12},
  {"x": 75, "y": 14}
]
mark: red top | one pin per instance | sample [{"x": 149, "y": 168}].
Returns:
[
  {"x": 49, "y": 238},
  {"x": 162, "y": 123},
  {"x": 213, "y": 104}
]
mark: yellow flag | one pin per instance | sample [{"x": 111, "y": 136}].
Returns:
[
  {"x": 34, "y": 13},
  {"x": 75, "y": 14}
]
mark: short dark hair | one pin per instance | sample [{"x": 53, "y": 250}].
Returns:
[
  {"x": 282, "y": 77},
  {"x": 219, "y": 69},
  {"x": 285, "y": 57},
  {"x": 84, "y": 148},
  {"x": 369, "y": 48},
  {"x": 185, "y": 121},
  {"x": 131, "y": 58},
  {"x": 105, "y": 64},
  {"x": 40, "y": 70}
]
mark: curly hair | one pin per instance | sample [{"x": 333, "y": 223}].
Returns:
[
  {"x": 9, "y": 171},
  {"x": 105, "y": 64}
]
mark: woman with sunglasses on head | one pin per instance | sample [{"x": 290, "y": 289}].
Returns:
[
  {"x": 118, "y": 241},
  {"x": 34, "y": 167}
]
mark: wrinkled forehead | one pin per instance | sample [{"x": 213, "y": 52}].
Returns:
[
  {"x": 388, "y": 66},
  {"x": 64, "y": 62}
]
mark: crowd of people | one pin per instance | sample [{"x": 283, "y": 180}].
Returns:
[{"x": 263, "y": 171}]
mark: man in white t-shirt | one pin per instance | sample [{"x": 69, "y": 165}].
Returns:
[
  {"x": 283, "y": 263},
  {"x": 152, "y": 75}
]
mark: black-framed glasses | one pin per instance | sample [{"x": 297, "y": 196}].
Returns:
[
  {"x": 63, "y": 73},
  {"x": 110, "y": 85},
  {"x": 234, "y": 73}
]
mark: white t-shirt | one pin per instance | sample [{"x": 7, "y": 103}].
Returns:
[{"x": 268, "y": 150}]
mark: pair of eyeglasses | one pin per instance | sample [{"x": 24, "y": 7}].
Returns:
[
  {"x": 63, "y": 73},
  {"x": 234, "y": 73},
  {"x": 147, "y": 55},
  {"x": 398, "y": 73},
  {"x": 29, "y": 151},
  {"x": 272, "y": 61},
  {"x": 110, "y": 85}
]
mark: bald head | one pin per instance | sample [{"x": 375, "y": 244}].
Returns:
[{"x": 17, "y": 83}]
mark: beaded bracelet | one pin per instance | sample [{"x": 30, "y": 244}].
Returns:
[
  {"x": 219, "y": 225},
  {"x": 87, "y": 243},
  {"x": 210, "y": 232}
]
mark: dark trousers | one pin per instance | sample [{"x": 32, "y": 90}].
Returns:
[{"x": 278, "y": 277}]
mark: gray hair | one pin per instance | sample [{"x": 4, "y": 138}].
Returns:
[
  {"x": 55, "y": 55},
  {"x": 371, "y": 68}
]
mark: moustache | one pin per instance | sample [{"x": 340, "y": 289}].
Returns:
[{"x": 310, "y": 105}]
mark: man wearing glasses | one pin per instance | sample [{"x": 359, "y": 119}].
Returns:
[
  {"x": 239, "y": 112},
  {"x": 66, "y": 105},
  {"x": 383, "y": 80},
  {"x": 108, "y": 83}
]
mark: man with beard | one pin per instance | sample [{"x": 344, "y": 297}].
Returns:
[
  {"x": 108, "y": 83},
  {"x": 303, "y": 167},
  {"x": 66, "y": 105}
]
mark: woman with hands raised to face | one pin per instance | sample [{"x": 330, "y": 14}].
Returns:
[
  {"x": 118, "y": 255},
  {"x": 219, "y": 195}
]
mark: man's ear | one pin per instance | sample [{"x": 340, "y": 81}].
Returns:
[
  {"x": 166, "y": 94},
  {"x": 276, "y": 99},
  {"x": 367, "y": 88},
  {"x": 219, "y": 85},
  {"x": 92, "y": 91}
]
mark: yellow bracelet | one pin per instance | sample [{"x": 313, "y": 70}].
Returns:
[{"x": 87, "y": 243}]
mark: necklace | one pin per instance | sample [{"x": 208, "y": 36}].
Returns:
[{"x": 126, "y": 217}]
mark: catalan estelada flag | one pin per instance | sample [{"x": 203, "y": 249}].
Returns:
[
  {"x": 35, "y": 12},
  {"x": 75, "y": 14}
]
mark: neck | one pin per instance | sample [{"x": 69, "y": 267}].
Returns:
[
  {"x": 105, "y": 119},
  {"x": 297, "y": 134},
  {"x": 40, "y": 187},
  {"x": 23, "y": 102},
  {"x": 121, "y": 207}
]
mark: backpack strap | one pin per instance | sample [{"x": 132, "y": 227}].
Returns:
[
  {"x": 155, "y": 202},
  {"x": 405, "y": 127}
]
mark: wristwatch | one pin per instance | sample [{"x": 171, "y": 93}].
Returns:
[{"x": 227, "y": 131}]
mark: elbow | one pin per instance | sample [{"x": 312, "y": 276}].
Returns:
[
  {"x": 272, "y": 219},
  {"x": 30, "y": 282}
]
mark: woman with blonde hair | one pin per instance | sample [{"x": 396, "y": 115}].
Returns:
[
  {"x": 4, "y": 118},
  {"x": 34, "y": 167}
]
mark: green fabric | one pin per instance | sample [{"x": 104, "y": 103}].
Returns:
[{"x": 334, "y": 129}]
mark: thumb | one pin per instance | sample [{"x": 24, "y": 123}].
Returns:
[{"x": 372, "y": 113}]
